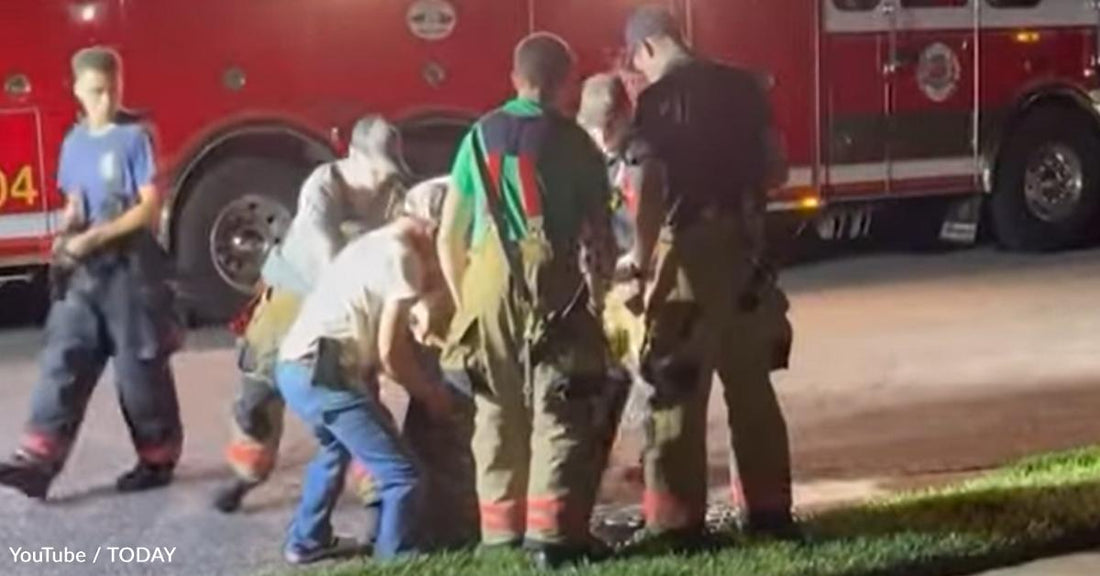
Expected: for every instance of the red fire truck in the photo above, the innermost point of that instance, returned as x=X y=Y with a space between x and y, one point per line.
x=878 y=100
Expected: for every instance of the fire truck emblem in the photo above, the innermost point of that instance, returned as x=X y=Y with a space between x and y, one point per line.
x=432 y=19
x=938 y=72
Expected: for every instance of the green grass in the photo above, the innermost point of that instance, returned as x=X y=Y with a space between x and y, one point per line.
x=1040 y=506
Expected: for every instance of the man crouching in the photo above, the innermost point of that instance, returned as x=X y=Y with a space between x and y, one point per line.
x=353 y=328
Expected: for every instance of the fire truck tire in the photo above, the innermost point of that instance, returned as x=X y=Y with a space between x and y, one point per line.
x=242 y=204
x=1047 y=189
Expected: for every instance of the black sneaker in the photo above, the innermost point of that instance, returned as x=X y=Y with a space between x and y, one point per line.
x=228 y=498
x=145 y=477
x=340 y=548
x=31 y=478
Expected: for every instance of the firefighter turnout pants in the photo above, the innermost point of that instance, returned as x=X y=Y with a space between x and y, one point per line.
x=534 y=444
x=704 y=317
x=113 y=309
x=258 y=411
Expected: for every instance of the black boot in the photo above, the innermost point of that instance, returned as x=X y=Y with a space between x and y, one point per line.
x=145 y=476
x=647 y=543
x=546 y=556
x=26 y=475
x=228 y=498
x=781 y=526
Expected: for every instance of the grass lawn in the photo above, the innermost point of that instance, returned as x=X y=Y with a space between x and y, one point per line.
x=1040 y=506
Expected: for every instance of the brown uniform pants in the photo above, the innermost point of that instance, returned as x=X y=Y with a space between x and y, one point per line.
x=534 y=443
x=702 y=319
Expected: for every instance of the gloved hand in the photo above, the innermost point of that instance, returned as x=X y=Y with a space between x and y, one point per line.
x=62 y=264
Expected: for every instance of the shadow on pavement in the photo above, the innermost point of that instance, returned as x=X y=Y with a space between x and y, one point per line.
x=24 y=304
x=185 y=477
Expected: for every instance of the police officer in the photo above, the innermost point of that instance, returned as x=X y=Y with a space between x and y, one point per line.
x=703 y=154
x=339 y=199
x=529 y=198
x=116 y=305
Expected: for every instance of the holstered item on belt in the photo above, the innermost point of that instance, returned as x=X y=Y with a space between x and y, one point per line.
x=327 y=369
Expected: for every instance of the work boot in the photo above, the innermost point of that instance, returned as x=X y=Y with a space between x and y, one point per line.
x=145 y=476
x=545 y=556
x=27 y=475
x=499 y=547
x=774 y=527
x=647 y=542
x=339 y=548
x=228 y=498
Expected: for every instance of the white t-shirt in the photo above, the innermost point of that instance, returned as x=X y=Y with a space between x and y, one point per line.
x=346 y=303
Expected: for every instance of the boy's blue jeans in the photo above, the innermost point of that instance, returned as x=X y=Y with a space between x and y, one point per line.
x=349 y=424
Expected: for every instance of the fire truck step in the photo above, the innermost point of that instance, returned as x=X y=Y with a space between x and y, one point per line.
x=21 y=278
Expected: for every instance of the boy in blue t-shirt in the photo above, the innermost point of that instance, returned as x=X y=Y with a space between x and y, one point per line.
x=116 y=304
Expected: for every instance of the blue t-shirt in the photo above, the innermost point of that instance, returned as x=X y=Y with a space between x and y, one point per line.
x=105 y=169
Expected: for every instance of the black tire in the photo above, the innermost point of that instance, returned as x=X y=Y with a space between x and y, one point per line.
x=206 y=295
x=1016 y=225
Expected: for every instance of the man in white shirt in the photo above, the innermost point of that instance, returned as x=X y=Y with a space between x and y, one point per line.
x=353 y=328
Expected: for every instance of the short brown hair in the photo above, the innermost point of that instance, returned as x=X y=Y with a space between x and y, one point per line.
x=544 y=60
x=97 y=58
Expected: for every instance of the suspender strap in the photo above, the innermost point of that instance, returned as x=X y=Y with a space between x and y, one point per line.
x=491 y=180
x=529 y=182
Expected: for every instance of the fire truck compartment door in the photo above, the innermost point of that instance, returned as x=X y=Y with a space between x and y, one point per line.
x=23 y=214
x=854 y=97
x=930 y=76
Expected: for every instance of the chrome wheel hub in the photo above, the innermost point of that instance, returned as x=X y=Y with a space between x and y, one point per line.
x=1054 y=181
x=243 y=233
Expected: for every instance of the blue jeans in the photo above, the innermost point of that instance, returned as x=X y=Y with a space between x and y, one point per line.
x=348 y=424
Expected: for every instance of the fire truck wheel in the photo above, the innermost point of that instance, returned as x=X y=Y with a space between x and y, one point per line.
x=236 y=212
x=1047 y=192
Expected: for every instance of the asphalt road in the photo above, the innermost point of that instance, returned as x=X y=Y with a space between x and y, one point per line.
x=908 y=369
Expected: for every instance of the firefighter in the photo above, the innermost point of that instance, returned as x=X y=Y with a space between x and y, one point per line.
x=527 y=251
x=352 y=329
x=360 y=192
x=116 y=303
x=703 y=153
